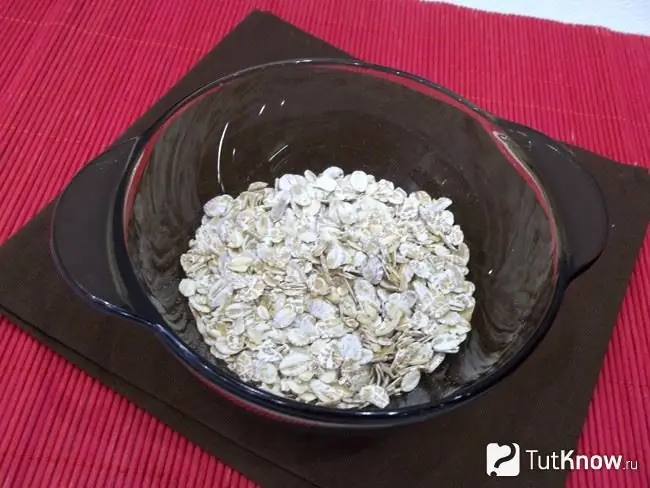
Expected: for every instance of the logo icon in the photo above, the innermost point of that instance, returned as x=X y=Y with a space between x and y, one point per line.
x=502 y=460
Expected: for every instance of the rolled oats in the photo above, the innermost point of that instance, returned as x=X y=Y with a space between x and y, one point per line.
x=332 y=289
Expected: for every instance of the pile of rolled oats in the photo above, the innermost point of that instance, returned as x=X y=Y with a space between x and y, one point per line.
x=331 y=289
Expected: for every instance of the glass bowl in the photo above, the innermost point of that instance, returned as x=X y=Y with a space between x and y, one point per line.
x=532 y=217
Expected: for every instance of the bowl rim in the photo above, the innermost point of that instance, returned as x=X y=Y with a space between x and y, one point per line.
x=145 y=312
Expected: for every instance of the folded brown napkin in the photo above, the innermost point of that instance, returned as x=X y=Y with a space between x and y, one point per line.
x=541 y=406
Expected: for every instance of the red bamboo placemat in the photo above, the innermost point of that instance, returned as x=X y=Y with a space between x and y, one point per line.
x=76 y=75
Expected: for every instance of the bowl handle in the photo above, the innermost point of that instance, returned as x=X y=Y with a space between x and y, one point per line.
x=574 y=192
x=82 y=231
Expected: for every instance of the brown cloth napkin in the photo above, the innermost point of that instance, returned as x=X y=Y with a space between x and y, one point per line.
x=541 y=406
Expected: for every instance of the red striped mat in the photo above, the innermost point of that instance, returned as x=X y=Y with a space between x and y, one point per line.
x=74 y=74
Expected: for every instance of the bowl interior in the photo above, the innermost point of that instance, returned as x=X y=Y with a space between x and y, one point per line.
x=290 y=118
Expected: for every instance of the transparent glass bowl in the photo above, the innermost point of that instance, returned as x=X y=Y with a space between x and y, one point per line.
x=533 y=218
